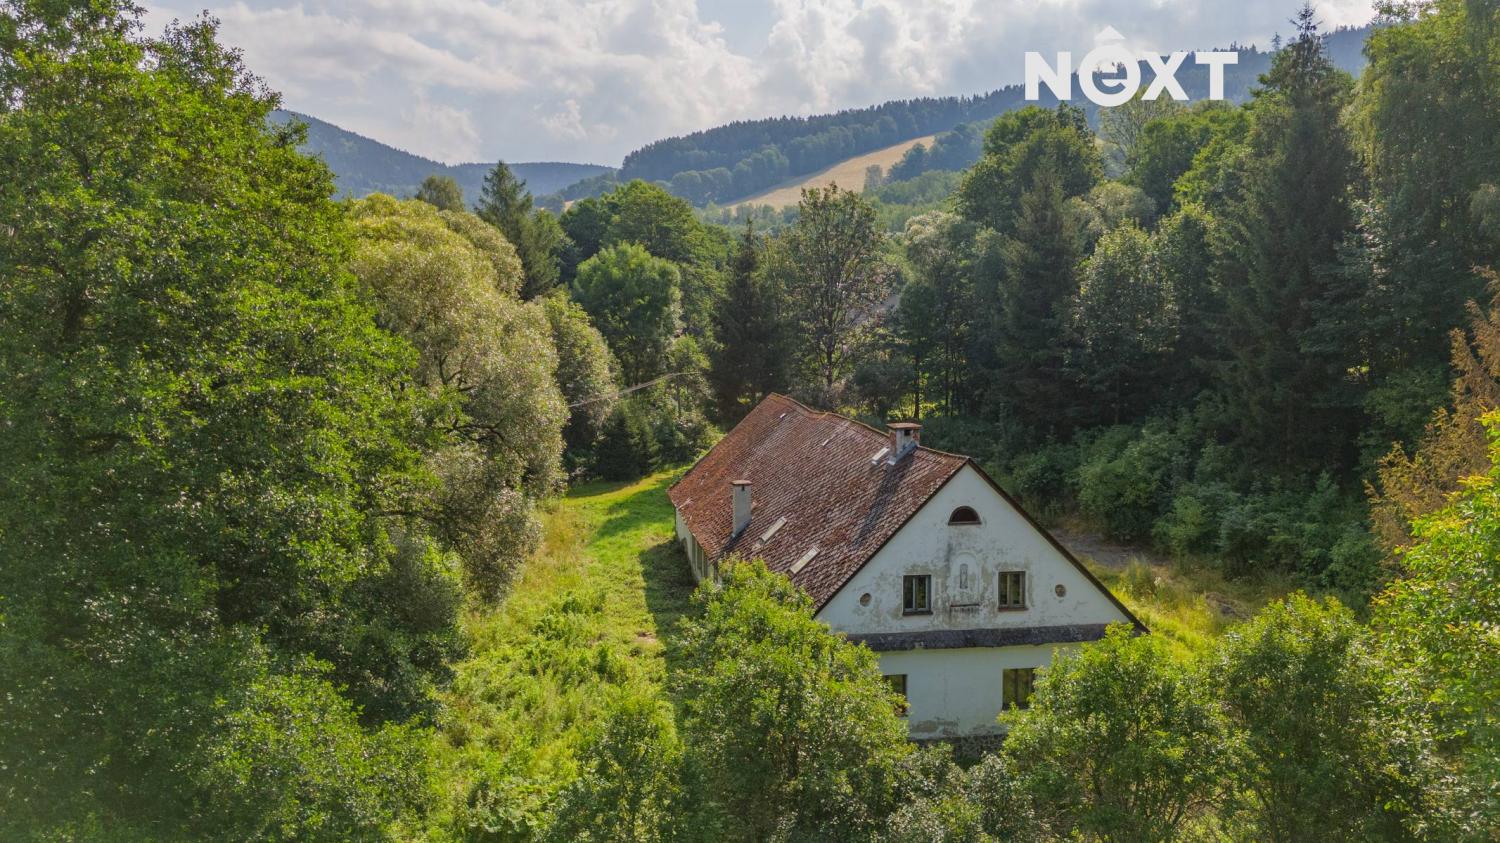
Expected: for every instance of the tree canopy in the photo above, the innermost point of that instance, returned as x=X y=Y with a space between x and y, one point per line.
x=635 y=300
x=208 y=569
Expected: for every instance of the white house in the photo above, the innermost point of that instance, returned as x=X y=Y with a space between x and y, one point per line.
x=915 y=552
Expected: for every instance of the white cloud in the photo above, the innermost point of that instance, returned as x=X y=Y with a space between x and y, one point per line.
x=589 y=80
x=451 y=131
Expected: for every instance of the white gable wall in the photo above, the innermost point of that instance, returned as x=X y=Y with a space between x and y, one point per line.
x=958 y=691
x=1003 y=541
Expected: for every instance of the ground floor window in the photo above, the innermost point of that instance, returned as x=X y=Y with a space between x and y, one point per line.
x=1017 y=687
x=897 y=681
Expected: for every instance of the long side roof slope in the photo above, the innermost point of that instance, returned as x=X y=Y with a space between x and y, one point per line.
x=825 y=496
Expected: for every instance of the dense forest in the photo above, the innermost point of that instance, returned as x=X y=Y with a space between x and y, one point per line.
x=276 y=461
x=722 y=164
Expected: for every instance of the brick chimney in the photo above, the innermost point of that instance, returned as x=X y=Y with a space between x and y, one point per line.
x=905 y=436
x=741 y=506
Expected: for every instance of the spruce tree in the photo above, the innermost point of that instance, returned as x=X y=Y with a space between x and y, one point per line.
x=750 y=360
x=1038 y=280
x=507 y=205
x=1277 y=249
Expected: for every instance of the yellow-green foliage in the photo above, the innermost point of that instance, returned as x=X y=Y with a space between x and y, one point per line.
x=582 y=626
x=1186 y=605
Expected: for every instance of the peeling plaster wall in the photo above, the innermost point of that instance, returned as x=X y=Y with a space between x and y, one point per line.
x=1003 y=541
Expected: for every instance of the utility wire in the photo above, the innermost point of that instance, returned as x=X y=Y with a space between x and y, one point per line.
x=628 y=390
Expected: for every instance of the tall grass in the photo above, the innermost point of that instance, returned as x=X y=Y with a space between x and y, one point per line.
x=582 y=625
x=1189 y=606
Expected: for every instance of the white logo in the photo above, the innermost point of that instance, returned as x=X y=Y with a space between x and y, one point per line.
x=1121 y=74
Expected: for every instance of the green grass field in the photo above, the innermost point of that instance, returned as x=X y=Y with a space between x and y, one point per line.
x=583 y=624
x=1188 y=606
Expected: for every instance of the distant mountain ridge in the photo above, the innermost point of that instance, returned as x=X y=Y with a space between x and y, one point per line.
x=725 y=164
x=362 y=166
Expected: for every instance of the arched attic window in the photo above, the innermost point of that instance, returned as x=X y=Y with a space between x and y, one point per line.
x=964 y=515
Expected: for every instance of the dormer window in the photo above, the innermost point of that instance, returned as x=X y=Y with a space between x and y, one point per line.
x=964 y=515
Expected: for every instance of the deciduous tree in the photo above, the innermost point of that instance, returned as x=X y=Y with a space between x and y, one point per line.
x=442 y=192
x=488 y=357
x=792 y=731
x=209 y=447
x=1021 y=146
x=1125 y=324
x=1438 y=620
x=1325 y=750
x=1121 y=743
x=634 y=300
x=835 y=277
x=586 y=370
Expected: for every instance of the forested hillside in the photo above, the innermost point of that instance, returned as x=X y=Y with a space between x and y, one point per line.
x=362 y=166
x=729 y=163
x=338 y=519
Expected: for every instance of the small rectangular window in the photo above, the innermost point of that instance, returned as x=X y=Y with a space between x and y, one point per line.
x=917 y=594
x=1012 y=589
x=1016 y=692
x=897 y=681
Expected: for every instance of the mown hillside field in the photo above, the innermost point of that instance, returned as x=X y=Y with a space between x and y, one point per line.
x=848 y=174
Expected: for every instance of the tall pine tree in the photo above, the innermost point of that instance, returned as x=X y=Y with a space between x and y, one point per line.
x=507 y=205
x=750 y=359
x=1277 y=248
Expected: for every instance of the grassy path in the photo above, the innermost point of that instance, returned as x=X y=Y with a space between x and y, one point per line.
x=583 y=625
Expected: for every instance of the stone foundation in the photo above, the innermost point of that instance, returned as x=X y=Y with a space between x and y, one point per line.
x=967 y=749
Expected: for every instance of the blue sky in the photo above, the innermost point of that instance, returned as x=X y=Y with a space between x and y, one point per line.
x=589 y=80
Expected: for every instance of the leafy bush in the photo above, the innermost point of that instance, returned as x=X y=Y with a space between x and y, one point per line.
x=1318 y=534
x=630 y=786
x=1191 y=523
x=1126 y=480
x=1043 y=477
x=1121 y=743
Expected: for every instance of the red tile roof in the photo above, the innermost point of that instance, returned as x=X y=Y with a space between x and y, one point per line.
x=819 y=472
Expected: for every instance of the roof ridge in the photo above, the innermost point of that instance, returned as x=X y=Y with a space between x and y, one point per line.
x=871 y=428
